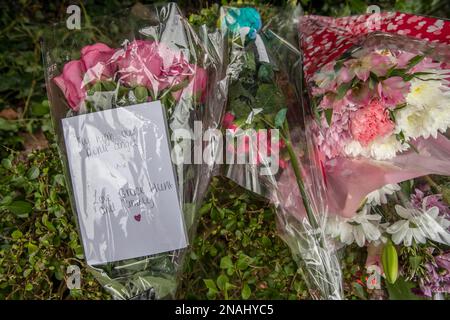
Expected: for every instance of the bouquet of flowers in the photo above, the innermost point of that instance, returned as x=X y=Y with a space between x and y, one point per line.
x=265 y=143
x=380 y=99
x=121 y=109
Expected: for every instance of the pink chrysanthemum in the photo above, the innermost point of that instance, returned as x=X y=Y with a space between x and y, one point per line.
x=370 y=122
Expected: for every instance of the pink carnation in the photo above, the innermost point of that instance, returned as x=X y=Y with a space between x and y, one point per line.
x=370 y=122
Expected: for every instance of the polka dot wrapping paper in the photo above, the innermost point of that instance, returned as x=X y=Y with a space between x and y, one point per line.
x=323 y=39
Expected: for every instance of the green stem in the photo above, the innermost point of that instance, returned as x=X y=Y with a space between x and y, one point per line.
x=298 y=176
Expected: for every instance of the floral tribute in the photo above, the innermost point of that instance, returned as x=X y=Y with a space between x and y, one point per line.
x=380 y=102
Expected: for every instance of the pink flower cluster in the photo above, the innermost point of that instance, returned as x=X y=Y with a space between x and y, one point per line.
x=141 y=63
x=361 y=91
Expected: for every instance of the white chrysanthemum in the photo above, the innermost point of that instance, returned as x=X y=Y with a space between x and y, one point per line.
x=386 y=148
x=363 y=226
x=419 y=225
x=425 y=93
x=354 y=149
x=378 y=197
x=427 y=111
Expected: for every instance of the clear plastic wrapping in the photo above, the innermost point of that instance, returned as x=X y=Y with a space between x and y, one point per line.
x=379 y=94
x=266 y=149
x=125 y=109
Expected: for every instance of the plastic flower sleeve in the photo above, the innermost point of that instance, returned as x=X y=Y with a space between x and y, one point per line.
x=379 y=90
x=124 y=109
x=266 y=147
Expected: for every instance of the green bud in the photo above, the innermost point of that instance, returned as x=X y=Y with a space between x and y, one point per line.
x=389 y=258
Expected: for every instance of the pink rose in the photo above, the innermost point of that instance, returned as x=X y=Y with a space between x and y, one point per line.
x=97 y=61
x=71 y=83
x=371 y=122
x=140 y=65
x=197 y=83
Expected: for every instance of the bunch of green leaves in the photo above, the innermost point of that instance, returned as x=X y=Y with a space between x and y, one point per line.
x=255 y=94
x=39 y=239
x=237 y=253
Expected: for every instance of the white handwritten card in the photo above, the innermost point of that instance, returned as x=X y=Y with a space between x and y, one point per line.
x=123 y=183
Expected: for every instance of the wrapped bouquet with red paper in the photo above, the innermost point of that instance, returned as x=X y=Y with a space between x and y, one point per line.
x=379 y=95
x=124 y=109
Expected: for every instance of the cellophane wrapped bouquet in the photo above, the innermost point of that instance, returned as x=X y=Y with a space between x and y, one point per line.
x=122 y=107
x=380 y=98
x=266 y=150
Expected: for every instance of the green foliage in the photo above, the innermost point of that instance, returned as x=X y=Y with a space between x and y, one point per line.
x=37 y=228
x=237 y=253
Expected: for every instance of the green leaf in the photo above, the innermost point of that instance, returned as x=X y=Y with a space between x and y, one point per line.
x=265 y=73
x=222 y=281
x=401 y=290
x=32 y=248
x=415 y=60
x=342 y=90
x=40 y=109
x=269 y=98
x=33 y=173
x=141 y=94
x=359 y=291
x=243 y=262
x=328 y=116
x=16 y=234
x=240 y=108
x=20 y=208
x=6 y=125
x=6 y=163
x=280 y=117
x=210 y=284
x=246 y=292
x=29 y=287
x=226 y=262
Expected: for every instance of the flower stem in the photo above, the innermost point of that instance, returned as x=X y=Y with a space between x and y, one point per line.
x=298 y=177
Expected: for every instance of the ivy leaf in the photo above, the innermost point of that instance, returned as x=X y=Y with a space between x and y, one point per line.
x=280 y=117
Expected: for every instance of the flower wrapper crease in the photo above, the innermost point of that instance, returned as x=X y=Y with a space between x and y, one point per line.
x=266 y=147
x=378 y=88
x=142 y=55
